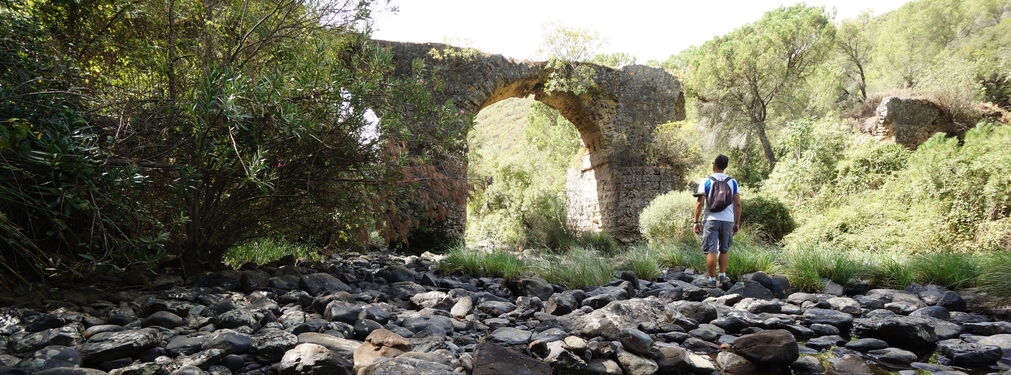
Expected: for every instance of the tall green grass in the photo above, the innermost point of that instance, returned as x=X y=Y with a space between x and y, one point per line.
x=480 y=263
x=576 y=268
x=644 y=261
x=996 y=276
x=266 y=250
x=951 y=270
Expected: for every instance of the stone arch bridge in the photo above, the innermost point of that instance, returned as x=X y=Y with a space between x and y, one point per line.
x=615 y=119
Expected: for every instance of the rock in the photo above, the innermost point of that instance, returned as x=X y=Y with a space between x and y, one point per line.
x=493 y=359
x=598 y=301
x=62 y=336
x=832 y=317
x=229 y=341
x=945 y=330
x=163 y=319
x=419 y=322
x=866 y=344
x=434 y=299
x=462 y=307
x=893 y=356
x=833 y=289
x=495 y=308
x=185 y=345
x=550 y=334
x=635 y=341
x=380 y=344
x=849 y=364
x=824 y=329
x=731 y=324
x=636 y=365
x=698 y=312
x=235 y=318
x=342 y=312
x=970 y=355
x=807 y=365
x=564 y=303
x=405 y=364
x=510 y=336
x=987 y=328
x=759 y=306
x=344 y=347
x=322 y=283
x=397 y=273
x=1002 y=341
x=845 y=304
x=773 y=347
x=825 y=342
x=898 y=331
x=531 y=286
x=269 y=345
x=908 y=121
x=935 y=312
x=599 y=366
x=951 y=301
x=70 y=371
x=608 y=321
x=52 y=357
x=751 y=289
x=107 y=346
x=734 y=364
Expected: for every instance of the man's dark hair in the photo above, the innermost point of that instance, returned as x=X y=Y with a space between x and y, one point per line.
x=721 y=162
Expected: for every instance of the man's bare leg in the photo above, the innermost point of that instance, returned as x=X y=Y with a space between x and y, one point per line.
x=724 y=257
x=713 y=260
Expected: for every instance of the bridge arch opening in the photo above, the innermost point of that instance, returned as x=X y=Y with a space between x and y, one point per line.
x=532 y=172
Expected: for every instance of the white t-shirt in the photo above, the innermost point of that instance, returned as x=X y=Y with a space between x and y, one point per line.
x=728 y=213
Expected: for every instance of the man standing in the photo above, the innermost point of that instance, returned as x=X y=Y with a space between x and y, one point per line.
x=718 y=197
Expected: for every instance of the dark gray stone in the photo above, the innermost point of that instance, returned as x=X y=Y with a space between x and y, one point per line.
x=773 y=347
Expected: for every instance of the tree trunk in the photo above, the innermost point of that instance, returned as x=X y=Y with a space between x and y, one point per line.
x=766 y=145
x=863 y=83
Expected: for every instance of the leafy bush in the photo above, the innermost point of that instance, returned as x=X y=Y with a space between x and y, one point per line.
x=668 y=218
x=943 y=197
x=768 y=215
x=67 y=205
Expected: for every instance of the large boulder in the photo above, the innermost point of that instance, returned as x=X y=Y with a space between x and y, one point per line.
x=493 y=359
x=407 y=365
x=107 y=346
x=312 y=359
x=899 y=331
x=611 y=319
x=772 y=347
x=531 y=286
x=380 y=344
x=908 y=121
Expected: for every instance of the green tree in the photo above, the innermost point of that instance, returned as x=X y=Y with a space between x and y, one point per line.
x=564 y=48
x=854 y=47
x=736 y=78
x=615 y=59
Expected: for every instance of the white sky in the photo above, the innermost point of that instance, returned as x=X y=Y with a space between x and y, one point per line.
x=647 y=29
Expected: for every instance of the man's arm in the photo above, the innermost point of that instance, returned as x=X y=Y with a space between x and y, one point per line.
x=737 y=212
x=698 y=211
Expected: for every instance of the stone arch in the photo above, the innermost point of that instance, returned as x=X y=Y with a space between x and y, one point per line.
x=615 y=119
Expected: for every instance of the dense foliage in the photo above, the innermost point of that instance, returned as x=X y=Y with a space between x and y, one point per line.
x=135 y=131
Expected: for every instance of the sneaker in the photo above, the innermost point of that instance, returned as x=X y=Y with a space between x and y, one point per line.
x=723 y=279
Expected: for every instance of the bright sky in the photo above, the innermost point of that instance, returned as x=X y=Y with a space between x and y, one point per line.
x=647 y=29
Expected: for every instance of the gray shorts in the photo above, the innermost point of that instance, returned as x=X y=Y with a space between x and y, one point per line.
x=717 y=236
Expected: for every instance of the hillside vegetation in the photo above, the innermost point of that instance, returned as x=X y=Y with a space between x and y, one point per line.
x=822 y=200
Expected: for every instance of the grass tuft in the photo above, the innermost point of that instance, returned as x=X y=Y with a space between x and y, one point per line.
x=266 y=250
x=481 y=263
x=644 y=261
x=950 y=270
x=577 y=268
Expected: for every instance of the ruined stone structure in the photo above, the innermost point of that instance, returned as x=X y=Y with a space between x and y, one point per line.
x=909 y=121
x=615 y=119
